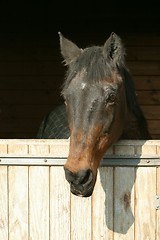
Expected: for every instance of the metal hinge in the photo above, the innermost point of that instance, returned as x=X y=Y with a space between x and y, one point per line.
x=157 y=202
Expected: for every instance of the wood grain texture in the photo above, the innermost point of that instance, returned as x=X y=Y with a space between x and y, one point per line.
x=39 y=203
x=158 y=211
x=36 y=203
x=18 y=203
x=145 y=191
x=80 y=218
x=3 y=203
x=60 y=212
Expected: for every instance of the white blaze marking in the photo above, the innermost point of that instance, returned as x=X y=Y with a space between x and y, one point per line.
x=83 y=85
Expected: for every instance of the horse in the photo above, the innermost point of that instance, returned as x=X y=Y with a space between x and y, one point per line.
x=101 y=107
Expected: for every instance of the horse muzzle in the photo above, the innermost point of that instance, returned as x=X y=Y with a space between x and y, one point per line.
x=81 y=183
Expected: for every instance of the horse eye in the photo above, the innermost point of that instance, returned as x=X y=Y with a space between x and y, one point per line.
x=111 y=98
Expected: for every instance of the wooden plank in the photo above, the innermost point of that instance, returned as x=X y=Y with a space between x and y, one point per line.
x=39 y=203
x=154 y=126
x=3 y=148
x=40 y=41
x=80 y=218
x=158 y=211
x=146 y=82
x=18 y=203
x=18 y=149
x=3 y=203
x=156 y=136
x=144 y=68
x=59 y=205
x=39 y=149
x=124 y=203
x=102 y=205
x=145 y=191
x=148 y=97
x=142 y=39
x=151 y=112
x=45 y=53
x=143 y=53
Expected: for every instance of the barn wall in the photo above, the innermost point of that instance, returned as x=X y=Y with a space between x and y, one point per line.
x=36 y=203
x=31 y=72
x=31 y=76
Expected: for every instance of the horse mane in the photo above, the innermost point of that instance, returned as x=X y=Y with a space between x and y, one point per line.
x=134 y=106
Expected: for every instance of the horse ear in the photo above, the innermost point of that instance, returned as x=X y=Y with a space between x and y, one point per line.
x=69 y=50
x=113 y=49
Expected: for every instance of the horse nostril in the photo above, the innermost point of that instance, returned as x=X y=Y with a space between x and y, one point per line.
x=84 y=176
x=80 y=178
x=69 y=175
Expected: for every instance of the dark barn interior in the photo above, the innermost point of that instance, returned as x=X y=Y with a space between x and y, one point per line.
x=31 y=69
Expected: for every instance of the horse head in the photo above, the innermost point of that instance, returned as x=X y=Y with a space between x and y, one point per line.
x=95 y=95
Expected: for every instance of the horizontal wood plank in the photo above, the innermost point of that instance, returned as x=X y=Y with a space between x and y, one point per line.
x=151 y=112
x=148 y=97
x=146 y=82
x=52 y=53
x=52 y=82
x=144 y=68
x=54 y=67
x=41 y=41
x=143 y=53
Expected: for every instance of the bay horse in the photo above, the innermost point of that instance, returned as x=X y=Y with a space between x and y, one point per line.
x=101 y=107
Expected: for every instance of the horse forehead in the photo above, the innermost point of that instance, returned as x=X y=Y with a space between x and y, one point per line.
x=91 y=89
